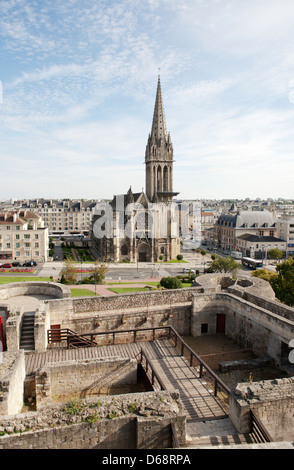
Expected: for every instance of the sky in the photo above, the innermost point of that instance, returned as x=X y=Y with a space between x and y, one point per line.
x=78 y=83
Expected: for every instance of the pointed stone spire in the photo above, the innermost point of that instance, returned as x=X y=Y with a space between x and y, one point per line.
x=159 y=156
x=158 y=130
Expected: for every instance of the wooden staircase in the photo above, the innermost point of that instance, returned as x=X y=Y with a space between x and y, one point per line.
x=27 y=340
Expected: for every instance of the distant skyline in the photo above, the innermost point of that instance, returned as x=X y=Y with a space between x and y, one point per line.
x=78 y=83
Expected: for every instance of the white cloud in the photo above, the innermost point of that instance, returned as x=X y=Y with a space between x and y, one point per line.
x=79 y=87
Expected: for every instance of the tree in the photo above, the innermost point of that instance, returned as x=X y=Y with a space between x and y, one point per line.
x=171 y=283
x=275 y=253
x=264 y=274
x=69 y=273
x=226 y=265
x=283 y=283
x=100 y=270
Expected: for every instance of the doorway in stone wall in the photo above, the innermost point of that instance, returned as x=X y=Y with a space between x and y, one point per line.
x=220 y=322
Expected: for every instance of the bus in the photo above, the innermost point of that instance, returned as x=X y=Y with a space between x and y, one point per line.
x=252 y=263
x=236 y=254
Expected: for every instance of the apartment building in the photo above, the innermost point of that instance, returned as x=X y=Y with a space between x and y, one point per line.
x=257 y=246
x=65 y=216
x=229 y=227
x=285 y=227
x=23 y=237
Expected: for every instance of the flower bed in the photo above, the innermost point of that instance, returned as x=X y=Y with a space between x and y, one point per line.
x=17 y=270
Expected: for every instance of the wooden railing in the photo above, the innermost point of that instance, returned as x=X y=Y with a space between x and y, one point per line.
x=196 y=362
x=153 y=378
x=74 y=340
x=258 y=431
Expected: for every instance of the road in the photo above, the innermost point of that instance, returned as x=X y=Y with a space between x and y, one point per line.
x=132 y=271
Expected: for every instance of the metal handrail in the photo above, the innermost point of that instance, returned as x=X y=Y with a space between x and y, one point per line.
x=170 y=332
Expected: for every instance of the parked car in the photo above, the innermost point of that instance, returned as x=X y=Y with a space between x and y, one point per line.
x=29 y=264
x=15 y=263
x=188 y=270
x=7 y=265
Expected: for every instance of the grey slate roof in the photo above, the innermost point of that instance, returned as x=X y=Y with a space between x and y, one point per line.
x=256 y=238
x=247 y=219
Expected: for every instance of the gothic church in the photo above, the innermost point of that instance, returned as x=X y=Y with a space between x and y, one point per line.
x=144 y=226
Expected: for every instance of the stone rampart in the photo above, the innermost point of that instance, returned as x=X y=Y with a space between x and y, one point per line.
x=12 y=369
x=271 y=400
x=130 y=421
x=250 y=325
x=83 y=377
x=124 y=311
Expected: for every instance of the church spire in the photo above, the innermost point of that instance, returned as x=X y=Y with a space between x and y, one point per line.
x=158 y=130
x=159 y=156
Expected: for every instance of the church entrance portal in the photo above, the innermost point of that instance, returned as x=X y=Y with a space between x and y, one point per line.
x=144 y=253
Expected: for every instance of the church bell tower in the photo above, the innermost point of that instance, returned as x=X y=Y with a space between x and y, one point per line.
x=159 y=156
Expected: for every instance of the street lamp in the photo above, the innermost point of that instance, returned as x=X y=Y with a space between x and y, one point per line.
x=81 y=271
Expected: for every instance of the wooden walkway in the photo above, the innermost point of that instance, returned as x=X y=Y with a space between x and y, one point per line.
x=196 y=394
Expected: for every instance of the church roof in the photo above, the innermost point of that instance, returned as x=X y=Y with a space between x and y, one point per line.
x=121 y=201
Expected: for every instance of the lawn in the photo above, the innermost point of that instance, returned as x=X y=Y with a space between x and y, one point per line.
x=81 y=292
x=124 y=290
x=6 y=280
x=172 y=261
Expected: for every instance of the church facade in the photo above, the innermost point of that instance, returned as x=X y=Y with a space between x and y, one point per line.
x=143 y=227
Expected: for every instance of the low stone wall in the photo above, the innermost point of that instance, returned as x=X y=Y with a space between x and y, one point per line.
x=12 y=375
x=85 y=377
x=271 y=400
x=131 y=421
x=133 y=300
x=58 y=291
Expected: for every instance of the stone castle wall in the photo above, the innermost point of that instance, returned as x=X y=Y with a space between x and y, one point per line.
x=85 y=377
x=273 y=403
x=141 y=420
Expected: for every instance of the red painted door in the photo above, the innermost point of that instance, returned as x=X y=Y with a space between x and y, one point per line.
x=55 y=333
x=220 y=323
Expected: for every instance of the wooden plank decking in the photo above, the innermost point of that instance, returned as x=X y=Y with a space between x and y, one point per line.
x=196 y=394
x=38 y=360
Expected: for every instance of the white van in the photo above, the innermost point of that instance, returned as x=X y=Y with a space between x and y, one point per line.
x=236 y=254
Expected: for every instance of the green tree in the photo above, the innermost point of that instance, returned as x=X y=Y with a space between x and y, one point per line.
x=171 y=283
x=100 y=270
x=224 y=265
x=264 y=274
x=283 y=283
x=69 y=273
x=275 y=253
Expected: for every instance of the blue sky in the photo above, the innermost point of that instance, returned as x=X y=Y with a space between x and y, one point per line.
x=78 y=89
